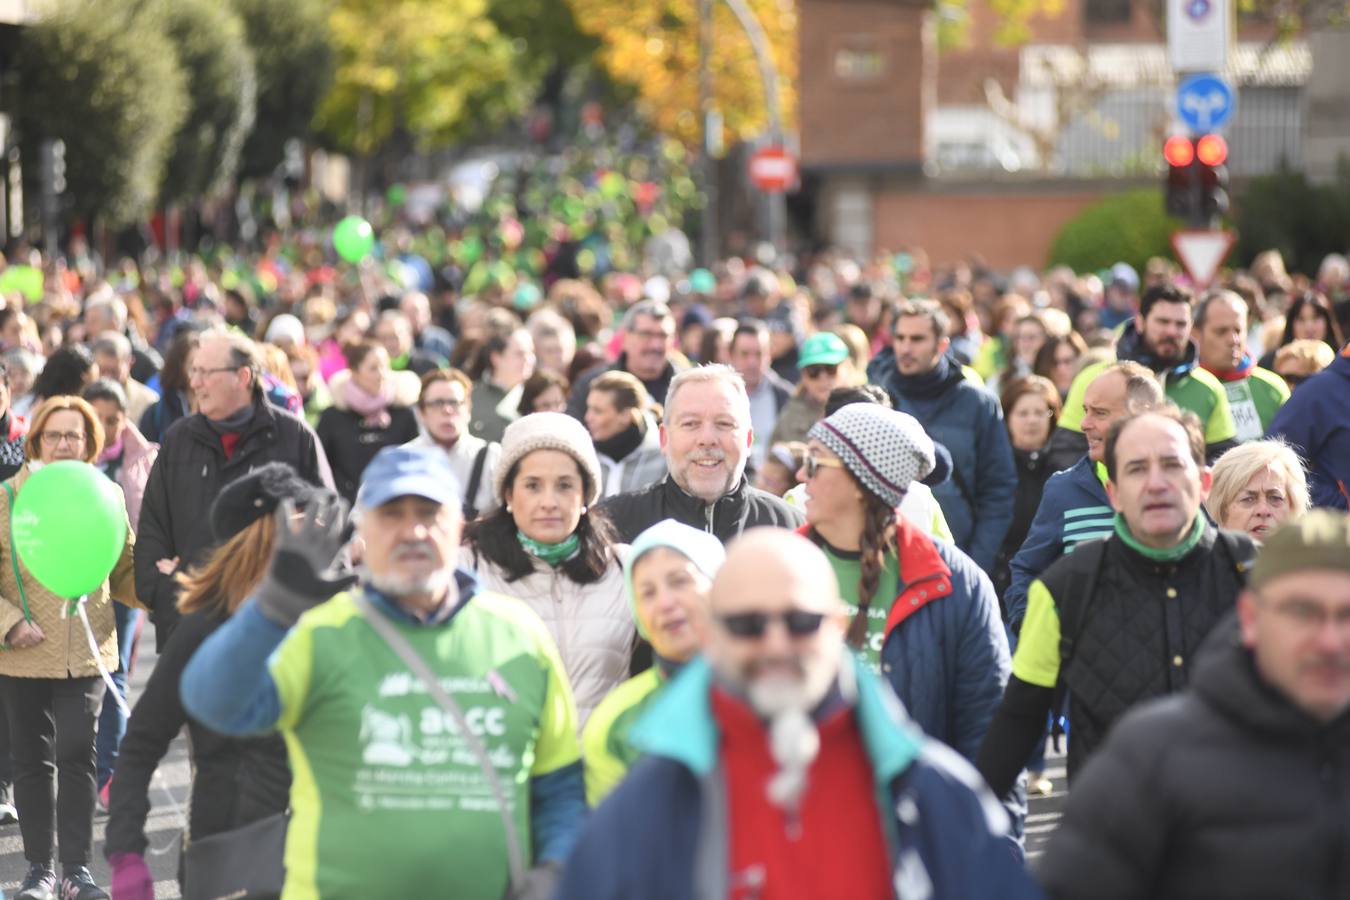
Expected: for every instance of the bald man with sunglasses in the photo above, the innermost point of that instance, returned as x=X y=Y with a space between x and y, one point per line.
x=778 y=766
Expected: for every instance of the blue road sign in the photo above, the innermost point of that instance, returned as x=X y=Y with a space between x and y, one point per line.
x=1205 y=102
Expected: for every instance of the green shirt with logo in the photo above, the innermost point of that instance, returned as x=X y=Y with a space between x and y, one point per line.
x=382 y=778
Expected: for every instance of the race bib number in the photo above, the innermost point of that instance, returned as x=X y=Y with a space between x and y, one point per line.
x=1245 y=416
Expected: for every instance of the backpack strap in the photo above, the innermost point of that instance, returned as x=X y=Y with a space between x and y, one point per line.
x=475 y=479
x=14 y=556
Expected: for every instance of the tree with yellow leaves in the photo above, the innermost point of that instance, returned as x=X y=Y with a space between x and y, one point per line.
x=652 y=45
x=431 y=69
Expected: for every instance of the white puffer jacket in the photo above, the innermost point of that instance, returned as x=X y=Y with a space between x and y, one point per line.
x=591 y=623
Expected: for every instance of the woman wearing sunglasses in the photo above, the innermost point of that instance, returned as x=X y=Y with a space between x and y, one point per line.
x=923 y=614
x=821 y=356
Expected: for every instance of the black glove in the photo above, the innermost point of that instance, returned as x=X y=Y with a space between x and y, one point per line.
x=304 y=569
x=539 y=883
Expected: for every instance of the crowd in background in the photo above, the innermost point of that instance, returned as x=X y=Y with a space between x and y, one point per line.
x=942 y=433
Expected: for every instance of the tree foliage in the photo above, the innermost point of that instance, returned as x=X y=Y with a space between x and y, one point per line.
x=433 y=69
x=294 y=60
x=222 y=87
x=1129 y=227
x=113 y=92
x=653 y=45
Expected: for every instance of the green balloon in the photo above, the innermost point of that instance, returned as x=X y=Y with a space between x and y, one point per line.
x=353 y=238
x=69 y=526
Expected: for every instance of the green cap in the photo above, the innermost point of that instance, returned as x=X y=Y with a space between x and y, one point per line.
x=1317 y=540
x=823 y=348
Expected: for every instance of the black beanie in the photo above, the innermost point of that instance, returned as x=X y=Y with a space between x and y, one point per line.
x=250 y=497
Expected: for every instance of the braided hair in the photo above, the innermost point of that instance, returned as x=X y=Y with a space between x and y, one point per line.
x=878 y=538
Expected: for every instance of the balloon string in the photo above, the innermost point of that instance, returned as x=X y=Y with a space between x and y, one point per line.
x=175 y=808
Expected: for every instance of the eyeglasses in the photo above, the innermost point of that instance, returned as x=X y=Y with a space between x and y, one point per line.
x=814 y=372
x=195 y=373
x=447 y=403
x=56 y=438
x=814 y=464
x=799 y=623
x=1308 y=616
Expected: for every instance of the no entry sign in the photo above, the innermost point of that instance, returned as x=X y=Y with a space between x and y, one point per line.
x=773 y=169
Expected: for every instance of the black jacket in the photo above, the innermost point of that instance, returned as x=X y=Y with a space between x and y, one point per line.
x=657 y=387
x=189 y=473
x=236 y=780
x=1225 y=791
x=1033 y=470
x=745 y=507
x=350 y=445
x=1129 y=630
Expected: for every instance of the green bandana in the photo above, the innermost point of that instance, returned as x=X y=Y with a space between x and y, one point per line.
x=553 y=554
x=1170 y=554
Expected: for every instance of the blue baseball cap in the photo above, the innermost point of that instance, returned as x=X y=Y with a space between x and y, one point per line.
x=408 y=471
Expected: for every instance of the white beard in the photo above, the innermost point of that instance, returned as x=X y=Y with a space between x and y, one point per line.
x=794 y=740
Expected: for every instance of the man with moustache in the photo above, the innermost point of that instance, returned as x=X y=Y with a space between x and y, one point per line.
x=778 y=767
x=390 y=796
x=648 y=354
x=706 y=438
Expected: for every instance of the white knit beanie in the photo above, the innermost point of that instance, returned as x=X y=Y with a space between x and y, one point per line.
x=885 y=449
x=548 y=431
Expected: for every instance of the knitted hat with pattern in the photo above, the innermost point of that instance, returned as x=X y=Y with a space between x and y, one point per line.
x=548 y=431
x=885 y=450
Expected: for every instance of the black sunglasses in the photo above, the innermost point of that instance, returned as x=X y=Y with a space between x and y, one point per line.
x=753 y=624
x=818 y=370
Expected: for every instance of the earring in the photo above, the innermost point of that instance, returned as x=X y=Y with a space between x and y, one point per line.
x=585 y=509
x=508 y=507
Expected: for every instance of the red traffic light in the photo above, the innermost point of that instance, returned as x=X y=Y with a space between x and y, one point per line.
x=1212 y=150
x=1178 y=151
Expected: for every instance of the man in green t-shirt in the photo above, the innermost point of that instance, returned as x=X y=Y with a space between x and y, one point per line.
x=391 y=795
x=1254 y=394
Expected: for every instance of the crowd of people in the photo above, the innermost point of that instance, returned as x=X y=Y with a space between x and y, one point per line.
x=756 y=581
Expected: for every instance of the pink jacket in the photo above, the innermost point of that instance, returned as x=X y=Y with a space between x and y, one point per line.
x=138 y=458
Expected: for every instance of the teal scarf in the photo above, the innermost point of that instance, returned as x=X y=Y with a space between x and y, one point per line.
x=1170 y=554
x=553 y=554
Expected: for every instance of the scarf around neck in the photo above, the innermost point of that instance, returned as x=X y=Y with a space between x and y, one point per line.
x=1168 y=554
x=373 y=408
x=623 y=443
x=930 y=383
x=553 y=554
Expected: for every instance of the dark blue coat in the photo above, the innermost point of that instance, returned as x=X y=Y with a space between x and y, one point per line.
x=659 y=835
x=1074 y=508
x=978 y=499
x=1316 y=420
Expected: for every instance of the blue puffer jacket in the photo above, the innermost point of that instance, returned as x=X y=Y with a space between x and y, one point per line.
x=662 y=834
x=1316 y=420
x=945 y=653
x=978 y=499
x=1074 y=508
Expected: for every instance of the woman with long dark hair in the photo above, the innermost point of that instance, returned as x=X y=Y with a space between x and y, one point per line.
x=548 y=545
x=236 y=780
x=175 y=391
x=1310 y=317
x=923 y=615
